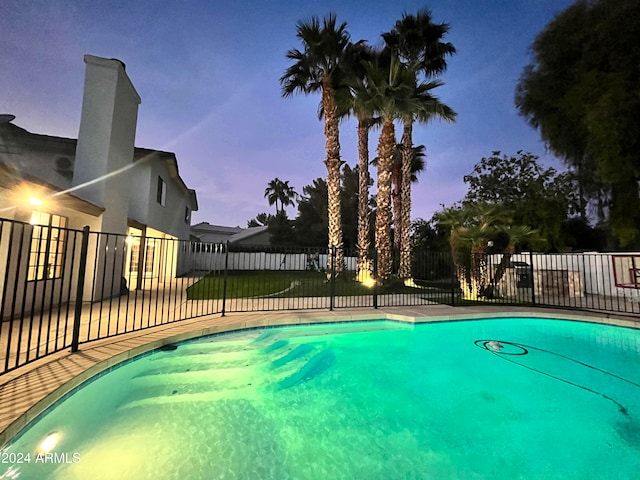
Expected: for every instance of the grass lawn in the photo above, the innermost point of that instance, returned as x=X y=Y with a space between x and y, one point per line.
x=281 y=284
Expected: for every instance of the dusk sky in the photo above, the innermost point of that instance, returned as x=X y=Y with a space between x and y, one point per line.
x=208 y=74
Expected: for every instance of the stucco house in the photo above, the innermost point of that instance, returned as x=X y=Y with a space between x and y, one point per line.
x=101 y=180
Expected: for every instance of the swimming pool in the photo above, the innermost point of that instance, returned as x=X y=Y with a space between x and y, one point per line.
x=497 y=398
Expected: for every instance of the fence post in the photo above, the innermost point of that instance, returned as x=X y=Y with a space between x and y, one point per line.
x=375 y=278
x=333 y=278
x=224 y=282
x=84 y=247
x=533 y=285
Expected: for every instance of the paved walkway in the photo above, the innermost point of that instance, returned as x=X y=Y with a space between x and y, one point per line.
x=29 y=390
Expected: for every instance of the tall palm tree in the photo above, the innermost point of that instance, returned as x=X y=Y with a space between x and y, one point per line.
x=425 y=108
x=363 y=110
x=417 y=166
x=277 y=190
x=317 y=68
x=387 y=88
x=288 y=196
x=417 y=42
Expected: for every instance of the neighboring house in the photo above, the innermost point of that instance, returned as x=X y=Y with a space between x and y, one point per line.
x=207 y=233
x=100 y=180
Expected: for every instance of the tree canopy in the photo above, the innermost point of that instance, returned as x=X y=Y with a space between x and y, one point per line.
x=538 y=197
x=582 y=92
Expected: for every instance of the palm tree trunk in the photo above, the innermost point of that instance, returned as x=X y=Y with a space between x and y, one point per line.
x=461 y=271
x=333 y=163
x=478 y=269
x=404 y=271
x=500 y=270
x=386 y=146
x=396 y=179
x=363 y=197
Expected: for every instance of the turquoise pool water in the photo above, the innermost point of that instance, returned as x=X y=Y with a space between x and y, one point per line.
x=378 y=400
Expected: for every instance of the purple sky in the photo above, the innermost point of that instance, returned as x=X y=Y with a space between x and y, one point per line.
x=208 y=74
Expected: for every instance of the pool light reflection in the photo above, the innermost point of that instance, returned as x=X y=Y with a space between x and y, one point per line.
x=48 y=443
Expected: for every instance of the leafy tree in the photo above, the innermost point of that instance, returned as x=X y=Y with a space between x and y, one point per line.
x=582 y=92
x=311 y=224
x=537 y=197
x=317 y=68
x=349 y=202
x=429 y=235
x=281 y=229
x=579 y=235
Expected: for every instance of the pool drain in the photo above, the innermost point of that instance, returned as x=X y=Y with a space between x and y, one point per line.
x=502 y=347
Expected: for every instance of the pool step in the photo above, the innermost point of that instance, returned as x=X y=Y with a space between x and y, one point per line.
x=294 y=354
x=203 y=358
x=317 y=365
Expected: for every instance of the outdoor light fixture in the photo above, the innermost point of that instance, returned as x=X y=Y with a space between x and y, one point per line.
x=27 y=196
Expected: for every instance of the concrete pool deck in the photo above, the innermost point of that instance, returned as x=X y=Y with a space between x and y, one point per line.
x=28 y=391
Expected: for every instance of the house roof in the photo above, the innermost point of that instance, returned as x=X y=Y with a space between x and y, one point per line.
x=12 y=137
x=247 y=233
x=221 y=233
x=8 y=180
x=206 y=227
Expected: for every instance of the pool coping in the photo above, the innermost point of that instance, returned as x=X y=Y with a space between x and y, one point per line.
x=30 y=390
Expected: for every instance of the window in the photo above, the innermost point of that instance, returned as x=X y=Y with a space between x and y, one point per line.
x=187 y=215
x=48 y=242
x=161 y=195
x=147 y=260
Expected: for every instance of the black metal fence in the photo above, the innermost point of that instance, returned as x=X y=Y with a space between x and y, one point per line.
x=63 y=287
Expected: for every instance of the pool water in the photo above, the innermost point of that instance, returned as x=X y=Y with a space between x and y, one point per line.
x=499 y=398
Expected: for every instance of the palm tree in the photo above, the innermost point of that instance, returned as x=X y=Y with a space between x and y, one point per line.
x=417 y=166
x=517 y=234
x=472 y=226
x=363 y=110
x=317 y=68
x=416 y=40
x=289 y=195
x=387 y=89
x=456 y=218
x=277 y=190
x=425 y=108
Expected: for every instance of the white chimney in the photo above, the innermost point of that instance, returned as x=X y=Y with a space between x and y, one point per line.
x=106 y=140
